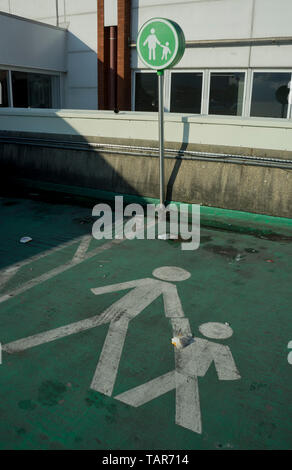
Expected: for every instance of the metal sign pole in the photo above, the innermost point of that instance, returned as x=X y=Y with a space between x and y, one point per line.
x=160 y=46
x=289 y=100
x=160 y=74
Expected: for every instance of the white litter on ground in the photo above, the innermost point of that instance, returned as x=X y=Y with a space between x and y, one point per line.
x=25 y=239
x=182 y=341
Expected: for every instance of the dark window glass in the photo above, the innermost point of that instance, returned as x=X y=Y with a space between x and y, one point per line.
x=146 y=92
x=3 y=89
x=186 y=92
x=226 y=93
x=269 y=94
x=31 y=90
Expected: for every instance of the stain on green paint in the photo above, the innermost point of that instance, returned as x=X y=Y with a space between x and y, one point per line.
x=257 y=386
x=227 y=251
x=20 y=431
x=26 y=405
x=51 y=393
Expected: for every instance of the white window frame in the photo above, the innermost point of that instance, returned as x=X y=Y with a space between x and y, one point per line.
x=9 y=85
x=55 y=83
x=206 y=88
x=134 y=72
x=207 y=101
x=202 y=71
x=263 y=70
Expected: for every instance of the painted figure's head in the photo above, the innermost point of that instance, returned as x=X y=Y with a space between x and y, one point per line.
x=171 y=273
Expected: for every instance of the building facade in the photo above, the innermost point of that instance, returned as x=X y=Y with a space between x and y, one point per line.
x=237 y=60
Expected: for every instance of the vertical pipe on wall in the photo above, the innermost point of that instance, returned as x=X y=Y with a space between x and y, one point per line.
x=112 y=67
x=10 y=91
x=57 y=12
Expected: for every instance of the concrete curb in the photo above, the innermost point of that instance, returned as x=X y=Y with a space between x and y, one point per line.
x=224 y=219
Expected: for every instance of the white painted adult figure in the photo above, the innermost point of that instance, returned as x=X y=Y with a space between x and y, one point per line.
x=152 y=41
x=143 y=292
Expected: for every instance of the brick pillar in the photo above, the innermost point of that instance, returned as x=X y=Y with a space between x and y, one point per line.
x=123 y=82
x=124 y=56
x=112 y=88
x=101 y=57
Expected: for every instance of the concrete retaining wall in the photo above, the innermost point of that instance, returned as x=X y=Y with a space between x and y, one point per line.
x=265 y=136
x=258 y=189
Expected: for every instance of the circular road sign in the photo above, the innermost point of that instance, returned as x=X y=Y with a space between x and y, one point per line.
x=160 y=43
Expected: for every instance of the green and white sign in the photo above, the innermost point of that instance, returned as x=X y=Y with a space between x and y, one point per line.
x=160 y=43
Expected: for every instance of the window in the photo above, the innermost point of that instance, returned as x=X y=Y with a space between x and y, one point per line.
x=269 y=94
x=226 y=93
x=146 y=92
x=31 y=90
x=3 y=88
x=186 y=92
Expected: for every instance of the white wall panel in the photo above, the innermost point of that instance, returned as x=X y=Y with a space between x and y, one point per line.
x=272 y=18
x=83 y=29
x=217 y=130
x=82 y=98
x=111 y=13
x=217 y=19
x=28 y=44
x=271 y=56
x=4 y=6
x=82 y=69
x=34 y=8
x=213 y=57
x=74 y=7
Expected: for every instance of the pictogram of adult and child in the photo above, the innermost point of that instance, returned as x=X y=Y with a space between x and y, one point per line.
x=152 y=41
x=191 y=362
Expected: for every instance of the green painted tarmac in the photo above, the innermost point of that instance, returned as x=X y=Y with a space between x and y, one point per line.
x=45 y=397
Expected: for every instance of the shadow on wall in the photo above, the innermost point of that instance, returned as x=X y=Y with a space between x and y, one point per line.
x=39 y=148
x=90 y=82
x=34 y=149
x=177 y=165
x=58 y=164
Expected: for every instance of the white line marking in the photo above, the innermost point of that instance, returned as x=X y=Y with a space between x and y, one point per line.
x=9 y=272
x=289 y=346
x=54 y=272
x=79 y=256
x=82 y=248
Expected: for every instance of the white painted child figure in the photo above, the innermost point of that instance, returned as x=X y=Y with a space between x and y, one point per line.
x=166 y=51
x=191 y=362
